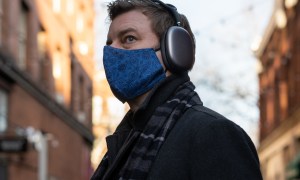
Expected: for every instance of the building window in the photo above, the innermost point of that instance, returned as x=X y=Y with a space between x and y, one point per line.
x=1 y=14
x=70 y=7
x=81 y=94
x=83 y=48
x=57 y=66
x=42 y=43
x=286 y=154
x=3 y=169
x=43 y=60
x=23 y=27
x=56 y=6
x=59 y=77
x=80 y=23
x=3 y=110
x=81 y=113
x=89 y=104
x=297 y=144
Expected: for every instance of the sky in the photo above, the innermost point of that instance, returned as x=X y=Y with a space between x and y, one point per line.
x=224 y=73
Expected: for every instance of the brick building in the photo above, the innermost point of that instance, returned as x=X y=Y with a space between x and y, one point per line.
x=279 y=79
x=46 y=88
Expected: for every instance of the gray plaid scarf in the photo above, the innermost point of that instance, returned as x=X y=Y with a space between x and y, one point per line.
x=148 y=142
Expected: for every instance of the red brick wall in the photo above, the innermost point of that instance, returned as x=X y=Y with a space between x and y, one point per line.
x=65 y=159
x=280 y=79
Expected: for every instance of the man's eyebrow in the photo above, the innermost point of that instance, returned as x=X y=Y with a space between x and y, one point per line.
x=127 y=30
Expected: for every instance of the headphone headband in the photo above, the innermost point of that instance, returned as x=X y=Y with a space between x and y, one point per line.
x=172 y=10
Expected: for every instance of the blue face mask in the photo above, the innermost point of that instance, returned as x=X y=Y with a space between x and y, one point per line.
x=131 y=73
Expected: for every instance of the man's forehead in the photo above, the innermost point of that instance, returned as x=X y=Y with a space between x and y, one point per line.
x=129 y=21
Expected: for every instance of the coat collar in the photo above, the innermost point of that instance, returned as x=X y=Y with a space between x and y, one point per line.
x=157 y=97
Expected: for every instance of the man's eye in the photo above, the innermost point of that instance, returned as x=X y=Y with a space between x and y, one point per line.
x=129 y=39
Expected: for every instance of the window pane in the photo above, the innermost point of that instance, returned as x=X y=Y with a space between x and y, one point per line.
x=22 y=37
x=3 y=111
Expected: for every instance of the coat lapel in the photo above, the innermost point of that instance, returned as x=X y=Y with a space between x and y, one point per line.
x=117 y=158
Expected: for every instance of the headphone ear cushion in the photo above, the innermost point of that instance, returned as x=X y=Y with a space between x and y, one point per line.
x=177 y=50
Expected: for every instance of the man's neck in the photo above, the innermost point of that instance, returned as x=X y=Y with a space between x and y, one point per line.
x=138 y=101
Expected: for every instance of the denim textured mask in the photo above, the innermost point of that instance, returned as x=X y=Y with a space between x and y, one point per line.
x=131 y=73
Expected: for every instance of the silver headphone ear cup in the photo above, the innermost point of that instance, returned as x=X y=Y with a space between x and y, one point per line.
x=177 y=50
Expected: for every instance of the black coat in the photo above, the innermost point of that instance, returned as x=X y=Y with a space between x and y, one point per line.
x=205 y=145
x=202 y=145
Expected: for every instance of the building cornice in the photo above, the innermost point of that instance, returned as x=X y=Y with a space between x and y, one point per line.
x=269 y=29
x=7 y=67
x=266 y=37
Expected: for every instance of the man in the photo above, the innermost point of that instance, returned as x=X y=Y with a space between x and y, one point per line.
x=167 y=134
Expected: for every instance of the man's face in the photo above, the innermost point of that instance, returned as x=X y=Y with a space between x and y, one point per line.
x=132 y=30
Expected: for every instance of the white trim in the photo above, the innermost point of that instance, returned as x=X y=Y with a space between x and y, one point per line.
x=269 y=30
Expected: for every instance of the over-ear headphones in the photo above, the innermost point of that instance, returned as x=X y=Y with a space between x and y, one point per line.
x=176 y=44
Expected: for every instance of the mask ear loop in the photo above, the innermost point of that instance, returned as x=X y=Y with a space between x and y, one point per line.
x=158 y=49
x=166 y=70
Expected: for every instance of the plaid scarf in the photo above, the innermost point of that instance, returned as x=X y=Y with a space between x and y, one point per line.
x=148 y=142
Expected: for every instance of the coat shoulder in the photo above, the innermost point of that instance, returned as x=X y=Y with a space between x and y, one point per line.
x=200 y=115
